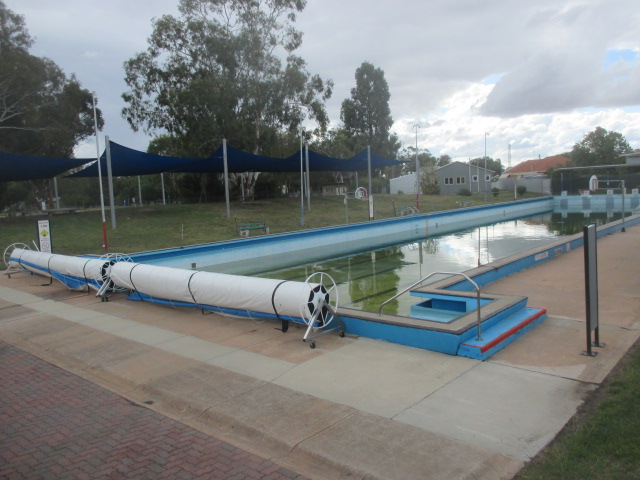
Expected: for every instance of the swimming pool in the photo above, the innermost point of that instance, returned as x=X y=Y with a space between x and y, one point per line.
x=370 y=260
x=367 y=279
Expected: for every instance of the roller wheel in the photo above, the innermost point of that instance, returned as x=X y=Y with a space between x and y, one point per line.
x=321 y=287
x=9 y=250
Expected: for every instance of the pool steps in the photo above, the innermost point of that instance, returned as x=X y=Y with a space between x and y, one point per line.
x=502 y=334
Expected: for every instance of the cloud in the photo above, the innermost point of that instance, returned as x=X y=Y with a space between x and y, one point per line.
x=538 y=75
x=557 y=83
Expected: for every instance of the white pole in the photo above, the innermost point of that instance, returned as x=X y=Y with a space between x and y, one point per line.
x=164 y=201
x=370 y=188
x=417 y=171
x=55 y=190
x=226 y=176
x=105 y=243
x=112 y=203
x=301 y=184
x=308 y=182
x=486 y=186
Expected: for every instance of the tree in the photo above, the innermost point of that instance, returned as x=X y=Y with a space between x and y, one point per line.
x=599 y=147
x=42 y=111
x=444 y=160
x=494 y=165
x=367 y=116
x=216 y=72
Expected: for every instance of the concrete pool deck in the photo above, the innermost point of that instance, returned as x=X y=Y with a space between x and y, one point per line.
x=352 y=407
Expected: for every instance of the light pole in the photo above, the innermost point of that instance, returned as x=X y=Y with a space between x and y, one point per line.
x=486 y=186
x=416 y=126
x=104 y=221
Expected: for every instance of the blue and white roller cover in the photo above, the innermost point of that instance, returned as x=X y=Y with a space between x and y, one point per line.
x=75 y=272
x=229 y=294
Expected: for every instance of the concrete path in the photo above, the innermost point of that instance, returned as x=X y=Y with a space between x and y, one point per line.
x=353 y=407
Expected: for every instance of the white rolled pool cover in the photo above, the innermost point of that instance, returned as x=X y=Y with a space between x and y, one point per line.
x=75 y=272
x=229 y=294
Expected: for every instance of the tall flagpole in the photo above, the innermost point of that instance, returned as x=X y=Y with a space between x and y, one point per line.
x=105 y=242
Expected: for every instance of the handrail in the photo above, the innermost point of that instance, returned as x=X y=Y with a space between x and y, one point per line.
x=475 y=285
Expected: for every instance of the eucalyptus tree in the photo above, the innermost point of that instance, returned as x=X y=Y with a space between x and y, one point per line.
x=42 y=111
x=224 y=69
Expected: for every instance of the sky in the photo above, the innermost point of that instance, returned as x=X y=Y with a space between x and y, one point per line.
x=465 y=76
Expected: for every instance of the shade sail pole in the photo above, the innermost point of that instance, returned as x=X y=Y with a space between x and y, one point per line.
x=226 y=176
x=112 y=203
x=301 y=184
x=105 y=242
x=164 y=201
x=308 y=182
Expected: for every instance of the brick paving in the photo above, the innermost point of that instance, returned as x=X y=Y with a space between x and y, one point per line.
x=54 y=424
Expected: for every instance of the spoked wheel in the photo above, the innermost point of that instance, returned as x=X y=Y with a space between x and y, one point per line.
x=322 y=304
x=109 y=260
x=9 y=250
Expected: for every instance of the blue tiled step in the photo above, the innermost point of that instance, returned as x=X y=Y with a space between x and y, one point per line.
x=502 y=334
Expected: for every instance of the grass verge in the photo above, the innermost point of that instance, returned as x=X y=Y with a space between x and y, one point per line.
x=602 y=441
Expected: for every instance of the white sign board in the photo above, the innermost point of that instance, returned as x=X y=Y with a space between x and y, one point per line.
x=44 y=236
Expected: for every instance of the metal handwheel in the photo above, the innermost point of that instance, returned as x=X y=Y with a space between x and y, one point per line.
x=9 y=250
x=109 y=260
x=322 y=303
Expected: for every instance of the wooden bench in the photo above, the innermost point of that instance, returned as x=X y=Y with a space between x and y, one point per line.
x=60 y=211
x=404 y=211
x=244 y=229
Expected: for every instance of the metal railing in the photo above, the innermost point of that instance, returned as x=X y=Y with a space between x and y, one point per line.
x=475 y=287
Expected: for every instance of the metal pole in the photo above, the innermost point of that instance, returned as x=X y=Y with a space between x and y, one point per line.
x=226 y=176
x=164 y=201
x=308 y=182
x=55 y=190
x=479 y=235
x=105 y=242
x=417 y=171
x=139 y=191
x=486 y=186
x=623 y=191
x=301 y=184
x=112 y=203
x=369 y=170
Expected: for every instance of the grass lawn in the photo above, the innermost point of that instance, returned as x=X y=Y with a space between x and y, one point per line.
x=159 y=226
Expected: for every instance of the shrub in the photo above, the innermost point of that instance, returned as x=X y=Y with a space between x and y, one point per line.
x=464 y=192
x=495 y=191
x=431 y=189
x=521 y=190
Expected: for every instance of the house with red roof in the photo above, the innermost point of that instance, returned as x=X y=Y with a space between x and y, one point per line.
x=532 y=168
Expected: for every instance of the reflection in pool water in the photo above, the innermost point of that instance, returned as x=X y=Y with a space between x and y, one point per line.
x=367 y=279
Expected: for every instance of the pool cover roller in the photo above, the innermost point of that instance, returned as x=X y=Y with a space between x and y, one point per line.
x=75 y=272
x=228 y=294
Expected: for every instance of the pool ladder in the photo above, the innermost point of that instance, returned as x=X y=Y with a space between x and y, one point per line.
x=475 y=287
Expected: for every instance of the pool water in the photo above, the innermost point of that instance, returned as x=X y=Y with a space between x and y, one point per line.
x=367 y=279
